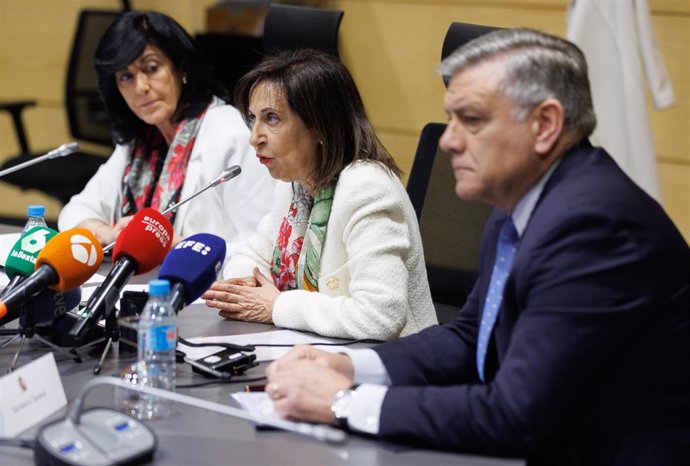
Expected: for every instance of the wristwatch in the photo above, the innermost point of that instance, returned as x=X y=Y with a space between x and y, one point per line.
x=342 y=404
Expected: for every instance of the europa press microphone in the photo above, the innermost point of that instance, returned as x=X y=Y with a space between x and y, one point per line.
x=66 y=261
x=139 y=248
x=191 y=267
x=227 y=174
x=63 y=150
x=21 y=261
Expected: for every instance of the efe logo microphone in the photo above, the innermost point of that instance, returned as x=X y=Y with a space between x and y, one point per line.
x=196 y=246
x=83 y=250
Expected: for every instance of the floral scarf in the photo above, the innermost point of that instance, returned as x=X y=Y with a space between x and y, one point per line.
x=306 y=221
x=155 y=173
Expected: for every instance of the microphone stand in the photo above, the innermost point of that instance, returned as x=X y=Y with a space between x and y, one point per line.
x=226 y=175
x=111 y=334
x=61 y=151
x=27 y=331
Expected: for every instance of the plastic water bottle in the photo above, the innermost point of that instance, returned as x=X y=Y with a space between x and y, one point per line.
x=37 y=217
x=157 y=339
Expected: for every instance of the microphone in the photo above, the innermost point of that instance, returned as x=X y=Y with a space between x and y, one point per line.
x=66 y=261
x=226 y=175
x=49 y=304
x=80 y=438
x=192 y=267
x=63 y=150
x=139 y=248
x=21 y=261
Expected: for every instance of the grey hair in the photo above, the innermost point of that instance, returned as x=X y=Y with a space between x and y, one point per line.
x=536 y=67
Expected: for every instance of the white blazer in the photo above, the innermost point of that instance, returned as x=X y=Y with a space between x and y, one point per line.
x=373 y=281
x=231 y=211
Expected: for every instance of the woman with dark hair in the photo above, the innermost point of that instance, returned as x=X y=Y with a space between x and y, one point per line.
x=174 y=134
x=340 y=253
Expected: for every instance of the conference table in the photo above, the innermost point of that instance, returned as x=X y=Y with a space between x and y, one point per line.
x=195 y=436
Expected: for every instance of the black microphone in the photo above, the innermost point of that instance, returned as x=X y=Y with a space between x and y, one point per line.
x=67 y=261
x=192 y=267
x=50 y=304
x=63 y=150
x=226 y=175
x=139 y=248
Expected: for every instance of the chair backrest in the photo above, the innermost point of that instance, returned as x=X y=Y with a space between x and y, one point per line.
x=450 y=227
x=88 y=120
x=295 y=27
x=459 y=34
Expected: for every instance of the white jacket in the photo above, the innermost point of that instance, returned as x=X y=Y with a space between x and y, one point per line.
x=617 y=37
x=373 y=281
x=231 y=210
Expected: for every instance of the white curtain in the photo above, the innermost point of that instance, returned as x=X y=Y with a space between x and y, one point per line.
x=617 y=39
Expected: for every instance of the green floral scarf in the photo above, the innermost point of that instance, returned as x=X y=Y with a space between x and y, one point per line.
x=306 y=221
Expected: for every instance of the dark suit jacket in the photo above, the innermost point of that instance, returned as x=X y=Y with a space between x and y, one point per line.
x=589 y=362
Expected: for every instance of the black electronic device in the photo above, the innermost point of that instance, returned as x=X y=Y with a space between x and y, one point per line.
x=223 y=364
x=101 y=436
x=107 y=437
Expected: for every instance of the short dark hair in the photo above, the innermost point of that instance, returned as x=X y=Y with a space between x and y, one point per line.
x=321 y=91
x=124 y=41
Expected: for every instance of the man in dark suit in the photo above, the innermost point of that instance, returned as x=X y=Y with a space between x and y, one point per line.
x=574 y=346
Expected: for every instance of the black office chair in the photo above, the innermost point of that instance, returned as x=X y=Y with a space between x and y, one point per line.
x=461 y=33
x=450 y=227
x=61 y=178
x=295 y=27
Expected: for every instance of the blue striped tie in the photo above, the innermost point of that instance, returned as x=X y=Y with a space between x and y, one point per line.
x=505 y=252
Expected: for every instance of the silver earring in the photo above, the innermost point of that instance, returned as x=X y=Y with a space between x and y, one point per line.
x=184 y=79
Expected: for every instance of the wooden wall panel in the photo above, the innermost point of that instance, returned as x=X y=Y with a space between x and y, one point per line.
x=399 y=85
x=35 y=41
x=392 y=48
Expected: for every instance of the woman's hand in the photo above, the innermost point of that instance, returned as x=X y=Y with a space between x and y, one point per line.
x=249 y=298
x=103 y=232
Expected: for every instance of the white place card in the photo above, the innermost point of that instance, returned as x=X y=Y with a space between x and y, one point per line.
x=29 y=395
x=7 y=241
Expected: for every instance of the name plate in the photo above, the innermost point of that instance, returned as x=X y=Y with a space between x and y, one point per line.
x=29 y=395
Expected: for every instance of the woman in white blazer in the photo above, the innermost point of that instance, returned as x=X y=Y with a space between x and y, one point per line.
x=340 y=253
x=174 y=135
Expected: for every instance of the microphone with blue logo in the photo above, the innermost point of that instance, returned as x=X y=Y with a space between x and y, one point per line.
x=191 y=267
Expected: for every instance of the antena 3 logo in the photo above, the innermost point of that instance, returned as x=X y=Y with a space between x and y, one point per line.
x=158 y=229
x=83 y=250
x=196 y=246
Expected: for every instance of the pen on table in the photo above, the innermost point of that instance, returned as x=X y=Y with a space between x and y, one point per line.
x=255 y=388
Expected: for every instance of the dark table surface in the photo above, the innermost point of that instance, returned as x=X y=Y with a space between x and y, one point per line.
x=194 y=436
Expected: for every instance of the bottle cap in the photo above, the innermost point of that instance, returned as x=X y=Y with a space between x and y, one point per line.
x=159 y=287
x=36 y=210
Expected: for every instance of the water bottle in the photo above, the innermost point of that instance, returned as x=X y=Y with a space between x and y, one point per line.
x=157 y=339
x=37 y=217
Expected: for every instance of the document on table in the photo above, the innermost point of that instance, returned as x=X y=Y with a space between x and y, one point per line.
x=7 y=241
x=258 y=404
x=260 y=407
x=282 y=337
